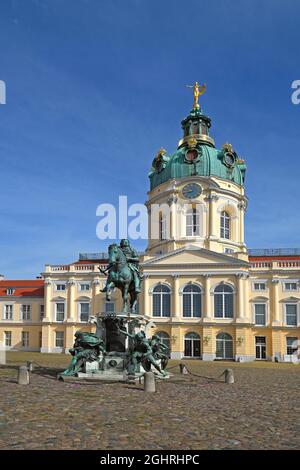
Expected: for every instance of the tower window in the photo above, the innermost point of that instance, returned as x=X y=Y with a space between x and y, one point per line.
x=196 y=128
x=162 y=227
x=192 y=223
x=225 y=225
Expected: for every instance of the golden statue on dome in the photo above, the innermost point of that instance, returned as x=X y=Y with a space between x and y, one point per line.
x=198 y=91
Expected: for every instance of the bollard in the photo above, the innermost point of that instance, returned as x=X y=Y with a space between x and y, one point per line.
x=2 y=357
x=23 y=376
x=183 y=369
x=30 y=366
x=149 y=382
x=229 y=377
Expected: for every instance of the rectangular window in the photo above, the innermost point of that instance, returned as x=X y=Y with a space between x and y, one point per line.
x=260 y=314
x=25 y=339
x=109 y=307
x=10 y=291
x=162 y=227
x=60 y=287
x=192 y=223
x=59 y=339
x=84 y=287
x=290 y=286
x=42 y=312
x=40 y=339
x=291 y=345
x=291 y=314
x=26 y=312
x=60 y=311
x=259 y=286
x=84 y=311
x=7 y=338
x=8 y=312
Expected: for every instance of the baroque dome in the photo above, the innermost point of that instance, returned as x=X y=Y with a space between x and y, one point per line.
x=196 y=155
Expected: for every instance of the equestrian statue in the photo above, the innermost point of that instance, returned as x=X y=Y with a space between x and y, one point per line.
x=123 y=272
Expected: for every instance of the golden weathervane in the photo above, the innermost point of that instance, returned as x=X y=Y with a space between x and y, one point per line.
x=198 y=91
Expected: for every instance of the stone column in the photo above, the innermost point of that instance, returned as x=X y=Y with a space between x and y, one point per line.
x=95 y=287
x=241 y=207
x=176 y=310
x=172 y=203
x=47 y=299
x=240 y=296
x=212 y=198
x=207 y=310
x=71 y=301
x=146 y=296
x=276 y=313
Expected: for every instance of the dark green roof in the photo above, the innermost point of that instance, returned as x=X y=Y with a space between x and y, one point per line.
x=197 y=155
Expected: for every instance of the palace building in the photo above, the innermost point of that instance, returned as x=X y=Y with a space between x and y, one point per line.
x=210 y=296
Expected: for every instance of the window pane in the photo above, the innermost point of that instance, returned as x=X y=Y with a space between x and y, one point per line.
x=229 y=306
x=156 y=305
x=187 y=305
x=218 y=305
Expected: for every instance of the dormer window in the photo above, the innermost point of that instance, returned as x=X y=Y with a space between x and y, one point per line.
x=10 y=291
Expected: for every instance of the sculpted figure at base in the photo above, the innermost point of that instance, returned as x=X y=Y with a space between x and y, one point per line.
x=123 y=273
x=141 y=353
x=87 y=348
x=160 y=351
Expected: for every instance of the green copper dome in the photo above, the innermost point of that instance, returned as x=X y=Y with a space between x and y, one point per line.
x=196 y=155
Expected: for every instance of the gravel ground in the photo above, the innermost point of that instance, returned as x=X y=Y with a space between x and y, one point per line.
x=260 y=411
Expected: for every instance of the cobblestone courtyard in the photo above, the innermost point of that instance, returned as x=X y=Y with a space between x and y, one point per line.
x=260 y=411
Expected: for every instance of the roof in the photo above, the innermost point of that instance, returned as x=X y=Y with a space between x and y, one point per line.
x=22 y=288
x=207 y=162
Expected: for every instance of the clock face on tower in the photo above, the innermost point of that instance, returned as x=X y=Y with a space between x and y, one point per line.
x=191 y=191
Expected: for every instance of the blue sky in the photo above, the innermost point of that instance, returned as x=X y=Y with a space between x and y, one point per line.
x=95 y=87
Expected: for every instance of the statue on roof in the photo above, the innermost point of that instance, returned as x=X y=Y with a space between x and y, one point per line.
x=198 y=91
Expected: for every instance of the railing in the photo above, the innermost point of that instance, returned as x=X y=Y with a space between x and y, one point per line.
x=74 y=268
x=275 y=264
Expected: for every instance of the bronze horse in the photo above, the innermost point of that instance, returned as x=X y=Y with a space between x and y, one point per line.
x=120 y=276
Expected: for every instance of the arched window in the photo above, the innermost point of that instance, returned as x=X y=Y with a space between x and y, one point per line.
x=192 y=345
x=225 y=225
x=224 y=346
x=191 y=301
x=162 y=227
x=164 y=337
x=223 y=300
x=161 y=301
x=192 y=222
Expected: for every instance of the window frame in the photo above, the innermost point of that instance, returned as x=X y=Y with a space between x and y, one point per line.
x=225 y=232
x=61 y=346
x=56 y=312
x=162 y=295
x=6 y=336
x=191 y=294
x=224 y=296
x=29 y=310
x=80 y=303
x=265 y=305
x=195 y=222
x=11 y=316
x=296 y=305
x=25 y=334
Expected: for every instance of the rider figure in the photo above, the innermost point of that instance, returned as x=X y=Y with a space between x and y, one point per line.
x=133 y=261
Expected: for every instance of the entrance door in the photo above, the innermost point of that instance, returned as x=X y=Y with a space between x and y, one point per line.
x=192 y=345
x=224 y=346
x=260 y=348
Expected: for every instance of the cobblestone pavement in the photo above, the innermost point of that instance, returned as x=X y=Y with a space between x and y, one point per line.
x=260 y=411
